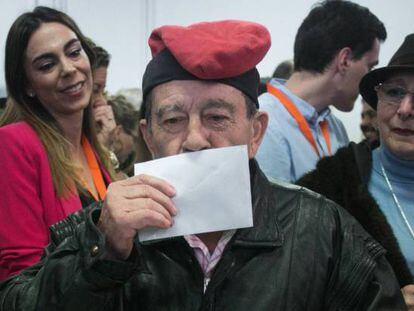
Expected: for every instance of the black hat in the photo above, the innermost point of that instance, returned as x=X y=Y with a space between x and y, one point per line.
x=402 y=61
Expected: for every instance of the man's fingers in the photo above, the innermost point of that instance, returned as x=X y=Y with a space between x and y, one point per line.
x=146 y=217
x=104 y=117
x=135 y=215
x=103 y=108
x=148 y=204
x=103 y=113
x=100 y=115
x=155 y=182
x=148 y=192
x=106 y=110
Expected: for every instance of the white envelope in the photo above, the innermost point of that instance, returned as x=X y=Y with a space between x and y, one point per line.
x=213 y=191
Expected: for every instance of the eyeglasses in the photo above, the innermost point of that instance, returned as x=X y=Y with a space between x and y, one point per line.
x=391 y=93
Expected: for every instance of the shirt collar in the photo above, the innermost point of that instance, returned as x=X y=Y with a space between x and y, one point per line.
x=307 y=110
x=194 y=241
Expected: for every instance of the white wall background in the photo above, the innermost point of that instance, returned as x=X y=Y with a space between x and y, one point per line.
x=122 y=27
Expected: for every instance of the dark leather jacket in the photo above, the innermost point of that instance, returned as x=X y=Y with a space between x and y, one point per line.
x=303 y=253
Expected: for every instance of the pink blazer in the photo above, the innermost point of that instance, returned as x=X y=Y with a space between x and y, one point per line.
x=28 y=202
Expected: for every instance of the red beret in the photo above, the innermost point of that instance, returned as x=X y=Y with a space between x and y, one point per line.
x=213 y=50
x=224 y=51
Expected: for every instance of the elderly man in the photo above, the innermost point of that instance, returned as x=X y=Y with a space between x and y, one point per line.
x=337 y=43
x=303 y=252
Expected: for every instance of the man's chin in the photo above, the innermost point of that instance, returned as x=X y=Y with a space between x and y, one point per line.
x=345 y=107
x=370 y=134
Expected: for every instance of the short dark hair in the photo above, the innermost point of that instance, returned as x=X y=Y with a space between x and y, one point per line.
x=331 y=26
x=18 y=39
x=284 y=70
x=102 y=57
x=125 y=114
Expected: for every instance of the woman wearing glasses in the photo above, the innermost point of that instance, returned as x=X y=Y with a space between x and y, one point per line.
x=51 y=162
x=377 y=187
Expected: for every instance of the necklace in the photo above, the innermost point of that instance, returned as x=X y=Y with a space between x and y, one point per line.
x=397 y=203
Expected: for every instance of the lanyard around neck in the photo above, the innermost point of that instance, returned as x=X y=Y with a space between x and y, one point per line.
x=300 y=119
x=94 y=169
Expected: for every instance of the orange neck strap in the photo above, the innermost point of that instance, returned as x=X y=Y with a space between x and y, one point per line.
x=300 y=119
x=94 y=169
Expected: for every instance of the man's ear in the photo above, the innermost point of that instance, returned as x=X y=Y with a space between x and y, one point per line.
x=147 y=135
x=260 y=121
x=343 y=60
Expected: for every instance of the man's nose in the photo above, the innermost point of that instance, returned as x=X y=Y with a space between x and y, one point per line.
x=197 y=137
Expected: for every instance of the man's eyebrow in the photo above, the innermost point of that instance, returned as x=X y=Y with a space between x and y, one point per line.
x=51 y=55
x=170 y=108
x=218 y=103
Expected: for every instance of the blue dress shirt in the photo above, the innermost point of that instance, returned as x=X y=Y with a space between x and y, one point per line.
x=285 y=154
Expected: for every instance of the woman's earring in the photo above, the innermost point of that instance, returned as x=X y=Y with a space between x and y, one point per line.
x=31 y=94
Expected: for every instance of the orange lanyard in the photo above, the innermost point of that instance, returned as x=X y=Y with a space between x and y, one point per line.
x=94 y=169
x=300 y=119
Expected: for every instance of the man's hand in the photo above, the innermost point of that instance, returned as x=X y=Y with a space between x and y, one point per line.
x=104 y=117
x=408 y=293
x=133 y=204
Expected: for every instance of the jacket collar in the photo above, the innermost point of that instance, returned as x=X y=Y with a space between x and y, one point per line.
x=266 y=231
x=363 y=158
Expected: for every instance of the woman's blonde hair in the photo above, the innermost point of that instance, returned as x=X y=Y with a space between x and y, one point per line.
x=21 y=107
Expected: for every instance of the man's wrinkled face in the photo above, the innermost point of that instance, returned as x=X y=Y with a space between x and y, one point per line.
x=190 y=116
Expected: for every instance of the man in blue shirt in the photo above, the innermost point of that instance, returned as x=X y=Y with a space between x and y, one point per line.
x=337 y=43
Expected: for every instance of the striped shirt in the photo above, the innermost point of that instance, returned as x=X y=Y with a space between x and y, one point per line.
x=207 y=260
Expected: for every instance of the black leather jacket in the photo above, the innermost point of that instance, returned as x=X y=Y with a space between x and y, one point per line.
x=303 y=253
